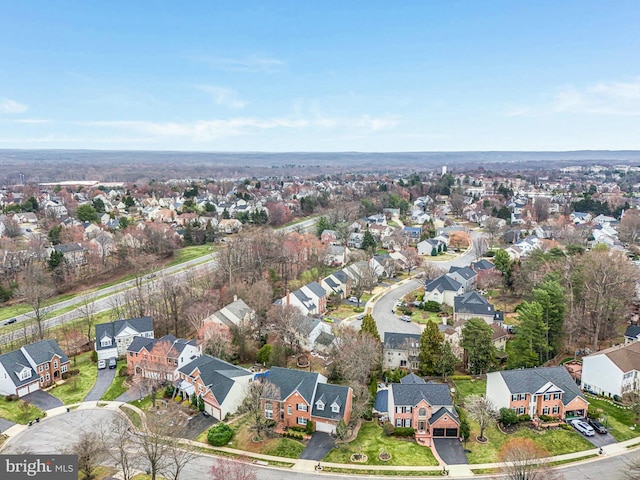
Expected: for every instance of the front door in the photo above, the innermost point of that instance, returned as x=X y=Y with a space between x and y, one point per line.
x=422 y=425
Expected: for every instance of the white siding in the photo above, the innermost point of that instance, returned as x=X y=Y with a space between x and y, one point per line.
x=497 y=390
x=6 y=384
x=235 y=396
x=601 y=375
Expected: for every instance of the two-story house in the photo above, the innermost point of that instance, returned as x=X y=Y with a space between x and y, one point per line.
x=231 y=315
x=426 y=407
x=113 y=338
x=310 y=299
x=338 y=282
x=221 y=385
x=160 y=358
x=466 y=276
x=442 y=290
x=613 y=371
x=305 y=396
x=473 y=305
x=34 y=366
x=401 y=350
x=538 y=391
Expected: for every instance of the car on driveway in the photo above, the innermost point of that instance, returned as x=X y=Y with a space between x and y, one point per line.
x=102 y=364
x=597 y=426
x=352 y=299
x=405 y=318
x=113 y=362
x=583 y=427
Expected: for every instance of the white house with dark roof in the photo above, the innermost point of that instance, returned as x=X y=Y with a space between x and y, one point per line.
x=443 y=290
x=632 y=334
x=466 y=276
x=34 y=366
x=309 y=330
x=613 y=371
x=474 y=305
x=401 y=350
x=310 y=299
x=233 y=314
x=221 y=385
x=338 y=283
x=113 y=338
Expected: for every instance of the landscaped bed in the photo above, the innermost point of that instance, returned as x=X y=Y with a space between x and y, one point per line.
x=371 y=440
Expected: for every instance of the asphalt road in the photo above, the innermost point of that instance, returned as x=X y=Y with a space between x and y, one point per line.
x=66 y=428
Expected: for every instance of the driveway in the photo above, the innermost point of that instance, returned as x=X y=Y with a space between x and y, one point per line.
x=318 y=447
x=42 y=400
x=600 y=440
x=450 y=451
x=195 y=426
x=136 y=392
x=5 y=424
x=103 y=382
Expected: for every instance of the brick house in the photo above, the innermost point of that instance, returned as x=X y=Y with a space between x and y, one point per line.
x=306 y=396
x=31 y=368
x=160 y=358
x=426 y=407
x=538 y=391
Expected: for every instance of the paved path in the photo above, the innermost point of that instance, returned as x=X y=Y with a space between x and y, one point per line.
x=103 y=382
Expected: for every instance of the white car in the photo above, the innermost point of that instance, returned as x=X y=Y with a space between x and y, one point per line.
x=583 y=427
x=102 y=364
x=352 y=299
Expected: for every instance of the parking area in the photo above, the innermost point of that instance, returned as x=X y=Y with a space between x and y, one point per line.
x=450 y=450
x=42 y=400
x=318 y=447
x=103 y=382
x=600 y=440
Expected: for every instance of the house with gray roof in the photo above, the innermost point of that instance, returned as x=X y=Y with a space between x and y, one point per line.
x=612 y=371
x=310 y=299
x=338 y=282
x=160 y=358
x=426 y=407
x=549 y=391
x=632 y=334
x=233 y=314
x=466 y=276
x=401 y=350
x=221 y=386
x=113 y=338
x=32 y=367
x=308 y=330
x=443 y=290
x=473 y=305
x=301 y=397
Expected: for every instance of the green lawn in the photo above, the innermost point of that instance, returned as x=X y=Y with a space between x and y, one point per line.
x=18 y=411
x=286 y=447
x=470 y=387
x=422 y=316
x=371 y=440
x=132 y=415
x=617 y=420
x=76 y=387
x=556 y=442
x=117 y=387
x=189 y=253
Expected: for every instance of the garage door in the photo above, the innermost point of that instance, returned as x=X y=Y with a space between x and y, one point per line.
x=438 y=432
x=451 y=432
x=324 y=427
x=23 y=391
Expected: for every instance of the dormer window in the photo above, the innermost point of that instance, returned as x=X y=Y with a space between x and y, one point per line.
x=105 y=342
x=335 y=408
x=320 y=405
x=25 y=373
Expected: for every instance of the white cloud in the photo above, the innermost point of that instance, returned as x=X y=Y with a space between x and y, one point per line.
x=250 y=64
x=226 y=97
x=32 y=121
x=609 y=98
x=11 y=106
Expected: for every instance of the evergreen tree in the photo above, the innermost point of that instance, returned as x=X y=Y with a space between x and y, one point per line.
x=322 y=225
x=55 y=259
x=86 y=213
x=369 y=326
x=368 y=242
x=550 y=295
x=430 y=348
x=478 y=346
x=447 y=361
x=529 y=348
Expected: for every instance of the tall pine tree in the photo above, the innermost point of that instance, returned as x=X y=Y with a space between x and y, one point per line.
x=550 y=296
x=430 y=347
x=369 y=326
x=529 y=348
x=478 y=346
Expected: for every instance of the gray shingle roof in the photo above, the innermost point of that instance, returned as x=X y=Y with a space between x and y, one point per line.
x=330 y=394
x=412 y=379
x=436 y=394
x=289 y=381
x=474 y=303
x=13 y=363
x=177 y=344
x=317 y=289
x=464 y=272
x=112 y=329
x=443 y=283
x=44 y=351
x=216 y=374
x=442 y=411
x=632 y=331
x=395 y=341
x=530 y=380
x=483 y=264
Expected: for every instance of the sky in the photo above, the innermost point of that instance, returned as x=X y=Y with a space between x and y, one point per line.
x=275 y=76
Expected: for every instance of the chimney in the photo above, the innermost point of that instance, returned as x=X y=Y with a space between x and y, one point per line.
x=235 y=298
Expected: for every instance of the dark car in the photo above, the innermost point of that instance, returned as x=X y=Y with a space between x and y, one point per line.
x=10 y=321
x=113 y=362
x=597 y=426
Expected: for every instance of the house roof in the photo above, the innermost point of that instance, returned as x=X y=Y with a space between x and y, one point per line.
x=177 y=345
x=44 y=351
x=216 y=374
x=531 y=380
x=382 y=401
x=316 y=289
x=394 y=340
x=443 y=283
x=113 y=329
x=289 y=381
x=230 y=314
x=325 y=339
x=473 y=303
x=435 y=394
x=306 y=324
x=412 y=379
x=625 y=357
x=441 y=412
x=14 y=362
x=464 y=272
x=632 y=331
x=68 y=248
x=330 y=395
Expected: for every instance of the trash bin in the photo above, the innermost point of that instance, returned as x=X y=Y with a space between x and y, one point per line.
x=68 y=409
x=37 y=419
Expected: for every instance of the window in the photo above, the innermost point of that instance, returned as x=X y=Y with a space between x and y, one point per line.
x=268 y=410
x=407 y=422
x=48 y=377
x=556 y=396
x=200 y=389
x=422 y=412
x=64 y=368
x=320 y=405
x=523 y=396
x=521 y=411
x=105 y=342
x=302 y=407
x=403 y=363
x=131 y=354
x=556 y=409
x=55 y=364
x=39 y=368
x=289 y=410
x=547 y=396
x=25 y=373
x=41 y=379
x=46 y=366
x=302 y=421
x=398 y=422
x=335 y=408
x=514 y=398
x=545 y=411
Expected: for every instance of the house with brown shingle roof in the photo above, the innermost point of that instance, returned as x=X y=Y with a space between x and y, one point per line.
x=613 y=371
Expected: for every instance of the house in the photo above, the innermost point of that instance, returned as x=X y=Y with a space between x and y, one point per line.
x=230 y=225
x=580 y=218
x=32 y=367
x=412 y=232
x=632 y=334
x=338 y=283
x=232 y=315
x=401 y=350
x=329 y=237
x=160 y=358
x=221 y=386
x=466 y=276
x=613 y=371
x=72 y=253
x=355 y=240
x=429 y=246
x=426 y=407
x=442 y=290
x=113 y=338
x=336 y=256
x=310 y=299
x=538 y=391
x=473 y=305
x=305 y=396
x=308 y=330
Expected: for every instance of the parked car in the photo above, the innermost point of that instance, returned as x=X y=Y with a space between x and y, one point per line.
x=360 y=317
x=102 y=364
x=405 y=318
x=352 y=299
x=597 y=426
x=113 y=362
x=583 y=427
x=10 y=321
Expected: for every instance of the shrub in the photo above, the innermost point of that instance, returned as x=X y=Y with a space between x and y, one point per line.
x=194 y=399
x=297 y=429
x=358 y=309
x=564 y=426
x=200 y=403
x=124 y=371
x=546 y=418
x=94 y=356
x=524 y=418
x=508 y=416
x=431 y=306
x=368 y=414
x=404 y=432
x=263 y=355
x=74 y=371
x=617 y=398
x=12 y=397
x=388 y=429
x=309 y=428
x=460 y=377
x=178 y=398
x=168 y=391
x=219 y=434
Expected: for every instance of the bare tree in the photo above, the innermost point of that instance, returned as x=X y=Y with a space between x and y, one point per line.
x=152 y=442
x=227 y=469
x=479 y=246
x=541 y=208
x=91 y=452
x=412 y=258
x=216 y=341
x=431 y=271
x=521 y=460
x=629 y=228
x=456 y=201
x=482 y=410
x=257 y=392
x=492 y=227
x=87 y=309
x=177 y=458
x=284 y=319
x=36 y=288
x=121 y=446
x=11 y=228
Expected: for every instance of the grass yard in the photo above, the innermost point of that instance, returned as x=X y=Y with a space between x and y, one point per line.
x=617 y=420
x=19 y=411
x=371 y=440
x=132 y=415
x=100 y=473
x=117 y=387
x=422 y=316
x=470 y=387
x=556 y=442
x=75 y=388
x=190 y=253
x=285 y=447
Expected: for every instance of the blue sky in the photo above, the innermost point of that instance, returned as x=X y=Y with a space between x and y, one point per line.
x=320 y=75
